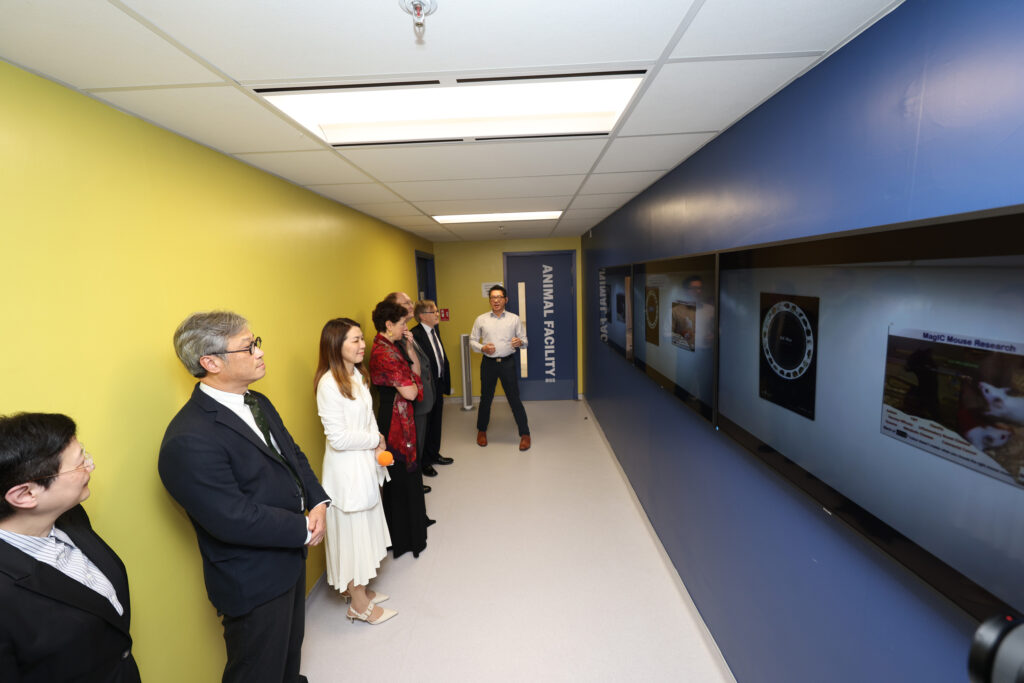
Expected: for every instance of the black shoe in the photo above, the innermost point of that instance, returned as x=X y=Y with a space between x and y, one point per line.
x=431 y=521
x=427 y=489
x=429 y=471
x=441 y=460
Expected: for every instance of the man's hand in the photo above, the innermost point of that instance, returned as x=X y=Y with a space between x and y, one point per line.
x=516 y=342
x=317 y=524
x=487 y=348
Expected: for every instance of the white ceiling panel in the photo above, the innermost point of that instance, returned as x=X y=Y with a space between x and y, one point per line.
x=709 y=96
x=652 y=153
x=358 y=193
x=569 y=230
x=355 y=38
x=513 y=204
x=601 y=201
x=503 y=231
x=221 y=117
x=387 y=210
x=603 y=183
x=489 y=188
x=436 y=235
x=416 y=222
x=735 y=27
x=322 y=167
x=481 y=160
x=586 y=214
x=191 y=66
x=92 y=44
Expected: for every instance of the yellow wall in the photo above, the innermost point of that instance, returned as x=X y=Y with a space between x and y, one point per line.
x=462 y=268
x=112 y=232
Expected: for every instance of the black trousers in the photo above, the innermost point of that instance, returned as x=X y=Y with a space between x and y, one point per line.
x=432 y=446
x=265 y=645
x=504 y=369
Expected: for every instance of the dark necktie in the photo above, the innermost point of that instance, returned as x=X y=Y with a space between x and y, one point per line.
x=261 y=422
x=437 y=351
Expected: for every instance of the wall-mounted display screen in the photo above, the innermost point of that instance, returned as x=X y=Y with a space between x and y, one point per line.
x=673 y=302
x=900 y=384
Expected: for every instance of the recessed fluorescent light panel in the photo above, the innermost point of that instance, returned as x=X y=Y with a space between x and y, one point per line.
x=496 y=217
x=506 y=109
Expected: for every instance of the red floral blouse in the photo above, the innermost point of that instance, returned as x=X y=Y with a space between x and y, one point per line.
x=389 y=369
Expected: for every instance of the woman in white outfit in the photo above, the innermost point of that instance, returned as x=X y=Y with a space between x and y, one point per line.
x=357 y=532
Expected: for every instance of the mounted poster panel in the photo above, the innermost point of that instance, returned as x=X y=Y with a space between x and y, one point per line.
x=912 y=431
x=673 y=300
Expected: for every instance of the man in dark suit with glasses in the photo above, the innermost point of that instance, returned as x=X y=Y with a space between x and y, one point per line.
x=228 y=460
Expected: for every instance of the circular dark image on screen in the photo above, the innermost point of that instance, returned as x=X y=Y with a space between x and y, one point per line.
x=787 y=340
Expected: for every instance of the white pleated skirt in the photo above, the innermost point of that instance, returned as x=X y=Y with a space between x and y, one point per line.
x=356 y=542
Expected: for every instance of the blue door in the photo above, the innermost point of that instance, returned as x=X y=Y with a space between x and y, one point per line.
x=546 y=282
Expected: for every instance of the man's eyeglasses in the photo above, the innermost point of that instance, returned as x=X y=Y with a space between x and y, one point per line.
x=251 y=348
x=496 y=298
x=87 y=464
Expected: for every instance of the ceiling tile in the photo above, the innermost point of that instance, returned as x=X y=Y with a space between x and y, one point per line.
x=489 y=188
x=570 y=230
x=652 y=153
x=502 y=231
x=92 y=45
x=477 y=160
x=221 y=117
x=357 y=193
x=435 y=235
x=387 y=210
x=601 y=201
x=416 y=222
x=320 y=167
x=330 y=39
x=736 y=27
x=514 y=204
x=602 y=183
x=581 y=215
x=709 y=96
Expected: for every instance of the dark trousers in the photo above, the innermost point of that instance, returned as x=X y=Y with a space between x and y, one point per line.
x=504 y=369
x=432 y=447
x=265 y=645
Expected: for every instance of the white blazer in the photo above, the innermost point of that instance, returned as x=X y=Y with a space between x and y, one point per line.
x=352 y=477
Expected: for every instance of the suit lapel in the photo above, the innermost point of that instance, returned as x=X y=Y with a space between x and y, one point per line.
x=89 y=542
x=226 y=417
x=44 y=580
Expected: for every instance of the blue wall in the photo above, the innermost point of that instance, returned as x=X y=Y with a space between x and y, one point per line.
x=921 y=116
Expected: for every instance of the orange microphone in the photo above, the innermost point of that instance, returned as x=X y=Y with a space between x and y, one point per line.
x=385 y=458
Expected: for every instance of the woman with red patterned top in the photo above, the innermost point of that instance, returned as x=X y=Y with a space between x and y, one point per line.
x=398 y=387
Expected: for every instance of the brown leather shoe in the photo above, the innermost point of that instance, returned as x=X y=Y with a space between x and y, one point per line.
x=524 y=443
x=481 y=438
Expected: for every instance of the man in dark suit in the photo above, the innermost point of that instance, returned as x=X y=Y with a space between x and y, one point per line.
x=426 y=335
x=246 y=485
x=64 y=593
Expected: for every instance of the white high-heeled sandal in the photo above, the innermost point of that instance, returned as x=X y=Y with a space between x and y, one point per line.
x=365 y=616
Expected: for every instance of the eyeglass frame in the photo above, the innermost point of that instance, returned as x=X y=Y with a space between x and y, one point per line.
x=89 y=462
x=256 y=343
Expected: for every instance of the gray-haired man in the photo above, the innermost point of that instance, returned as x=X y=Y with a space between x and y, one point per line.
x=229 y=461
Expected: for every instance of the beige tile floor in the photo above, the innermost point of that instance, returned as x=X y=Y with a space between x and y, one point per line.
x=542 y=567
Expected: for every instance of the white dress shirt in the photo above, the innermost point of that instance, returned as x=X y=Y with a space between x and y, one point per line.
x=497 y=330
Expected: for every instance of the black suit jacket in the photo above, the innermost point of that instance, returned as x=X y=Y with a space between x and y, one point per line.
x=443 y=383
x=242 y=500
x=53 y=628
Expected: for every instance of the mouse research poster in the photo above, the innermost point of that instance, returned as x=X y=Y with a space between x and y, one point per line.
x=959 y=397
x=789 y=351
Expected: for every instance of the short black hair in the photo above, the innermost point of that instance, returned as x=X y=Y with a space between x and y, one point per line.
x=499 y=288
x=30 y=448
x=388 y=312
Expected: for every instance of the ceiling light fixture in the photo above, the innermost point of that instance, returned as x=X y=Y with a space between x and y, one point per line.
x=496 y=217
x=528 y=108
x=419 y=9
